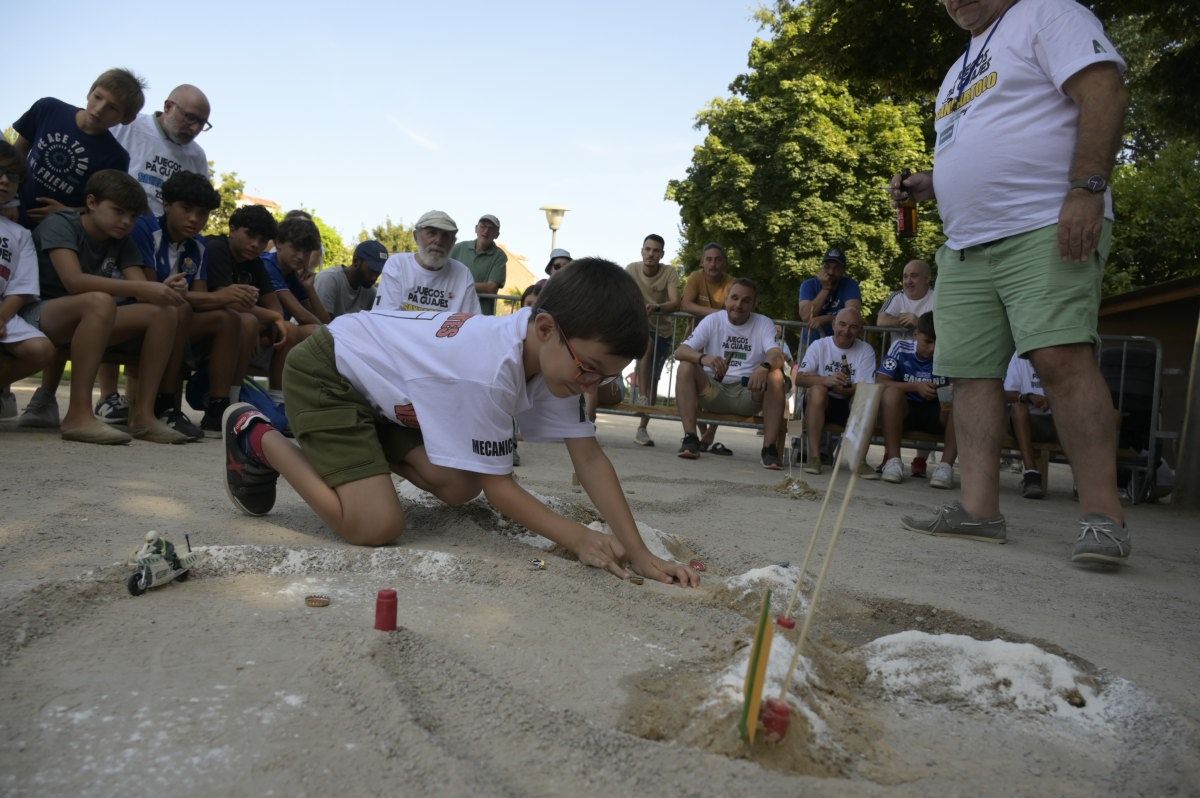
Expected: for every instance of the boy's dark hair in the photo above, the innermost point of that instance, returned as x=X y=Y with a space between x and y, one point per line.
x=596 y=300
x=925 y=325
x=9 y=154
x=535 y=290
x=255 y=218
x=119 y=188
x=297 y=213
x=192 y=188
x=301 y=233
x=746 y=282
x=655 y=237
x=127 y=89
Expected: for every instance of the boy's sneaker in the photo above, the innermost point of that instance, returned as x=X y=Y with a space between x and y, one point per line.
x=690 y=448
x=177 y=421
x=1101 y=539
x=249 y=484
x=642 y=437
x=918 y=467
x=942 y=476
x=893 y=471
x=951 y=520
x=113 y=409
x=42 y=411
x=770 y=458
x=1031 y=484
x=8 y=405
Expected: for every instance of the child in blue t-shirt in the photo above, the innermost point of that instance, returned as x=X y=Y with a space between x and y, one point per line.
x=63 y=145
x=910 y=402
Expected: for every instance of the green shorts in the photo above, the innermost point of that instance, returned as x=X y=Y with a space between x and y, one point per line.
x=729 y=397
x=339 y=432
x=1015 y=294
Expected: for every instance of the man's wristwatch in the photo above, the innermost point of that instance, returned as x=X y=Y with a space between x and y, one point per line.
x=766 y=364
x=1096 y=184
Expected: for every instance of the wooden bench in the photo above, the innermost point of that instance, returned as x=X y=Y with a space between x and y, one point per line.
x=671 y=413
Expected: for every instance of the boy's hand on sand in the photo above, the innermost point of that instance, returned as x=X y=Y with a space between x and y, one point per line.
x=601 y=551
x=665 y=571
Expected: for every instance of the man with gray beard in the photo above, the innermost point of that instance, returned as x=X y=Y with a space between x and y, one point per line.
x=428 y=279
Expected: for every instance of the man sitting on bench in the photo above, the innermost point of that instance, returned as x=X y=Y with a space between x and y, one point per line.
x=732 y=364
x=1031 y=419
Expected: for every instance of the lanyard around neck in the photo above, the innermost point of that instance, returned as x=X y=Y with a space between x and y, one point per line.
x=967 y=72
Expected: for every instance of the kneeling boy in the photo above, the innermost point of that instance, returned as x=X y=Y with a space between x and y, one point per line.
x=431 y=396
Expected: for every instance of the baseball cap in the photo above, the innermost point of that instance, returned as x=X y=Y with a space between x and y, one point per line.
x=487 y=217
x=374 y=253
x=438 y=220
x=555 y=254
x=835 y=254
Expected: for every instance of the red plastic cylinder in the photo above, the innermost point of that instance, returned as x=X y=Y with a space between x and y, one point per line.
x=385 y=610
x=776 y=717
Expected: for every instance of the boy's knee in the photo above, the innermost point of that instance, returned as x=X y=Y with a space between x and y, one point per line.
x=98 y=303
x=43 y=352
x=373 y=534
x=458 y=491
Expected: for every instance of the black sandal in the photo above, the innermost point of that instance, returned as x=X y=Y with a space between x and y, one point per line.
x=720 y=448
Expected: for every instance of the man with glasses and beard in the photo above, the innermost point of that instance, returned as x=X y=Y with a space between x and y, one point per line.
x=163 y=143
x=428 y=279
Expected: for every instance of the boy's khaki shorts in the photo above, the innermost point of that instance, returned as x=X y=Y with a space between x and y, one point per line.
x=1013 y=294
x=338 y=430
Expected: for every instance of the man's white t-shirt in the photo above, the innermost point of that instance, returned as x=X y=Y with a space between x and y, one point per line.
x=1023 y=378
x=153 y=157
x=743 y=346
x=1003 y=151
x=457 y=377
x=407 y=285
x=18 y=277
x=899 y=302
x=823 y=357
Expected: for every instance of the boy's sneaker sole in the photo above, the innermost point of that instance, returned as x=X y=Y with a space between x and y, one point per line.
x=952 y=521
x=249 y=485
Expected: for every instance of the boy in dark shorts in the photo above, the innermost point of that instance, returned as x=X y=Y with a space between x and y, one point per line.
x=431 y=396
x=911 y=403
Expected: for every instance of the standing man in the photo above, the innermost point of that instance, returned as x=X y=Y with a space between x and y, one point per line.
x=824 y=296
x=660 y=290
x=905 y=307
x=349 y=289
x=163 y=143
x=703 y=295
x=1027 y=128
x=487 y=262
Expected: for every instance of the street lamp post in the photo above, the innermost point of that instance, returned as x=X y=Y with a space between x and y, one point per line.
x=554 y=217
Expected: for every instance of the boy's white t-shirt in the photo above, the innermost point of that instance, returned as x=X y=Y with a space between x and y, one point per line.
x=458 y=378
x=18 y=277
x=1003 y=153
x=823 y=357
x=153 y=157
x=405 y=284
x=1023 y=378
x=744 y=346
x=899 y=303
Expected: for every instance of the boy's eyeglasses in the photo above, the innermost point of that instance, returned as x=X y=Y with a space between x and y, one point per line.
x=587 y=375
x=11 y=174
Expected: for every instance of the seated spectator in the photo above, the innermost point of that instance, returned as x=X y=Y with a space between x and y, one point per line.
x=905 y=307
x=487 y=263
x=529 y=296
x=1031 y=417
x=428 y=279
x=64 y=145
x=831 y=369
x=235 y=267
x=732 y=364
x=823 y=296
x=219 y=325
x=288 y=267
x=558 y=259
x=660 y=289
x=23 y=349
x=86 y=261
x=349 y=289
x=910 y=402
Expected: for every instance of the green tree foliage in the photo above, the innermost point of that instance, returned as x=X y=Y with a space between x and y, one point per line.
x=10 y=135
x=230 y=190
x=336 y=251
x=792 y=165
x=396 y=236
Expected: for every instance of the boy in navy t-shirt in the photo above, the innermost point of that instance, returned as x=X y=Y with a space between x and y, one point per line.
x=63 y=145
x=911 y=403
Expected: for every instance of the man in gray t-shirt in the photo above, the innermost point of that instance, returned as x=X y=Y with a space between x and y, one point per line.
x=349 y=289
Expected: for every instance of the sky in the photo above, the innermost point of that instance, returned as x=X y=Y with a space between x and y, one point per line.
x=363 y=110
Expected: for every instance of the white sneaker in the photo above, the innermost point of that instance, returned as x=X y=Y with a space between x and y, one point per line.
x=893 y=470
x=942 y=476
x=642 y=437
